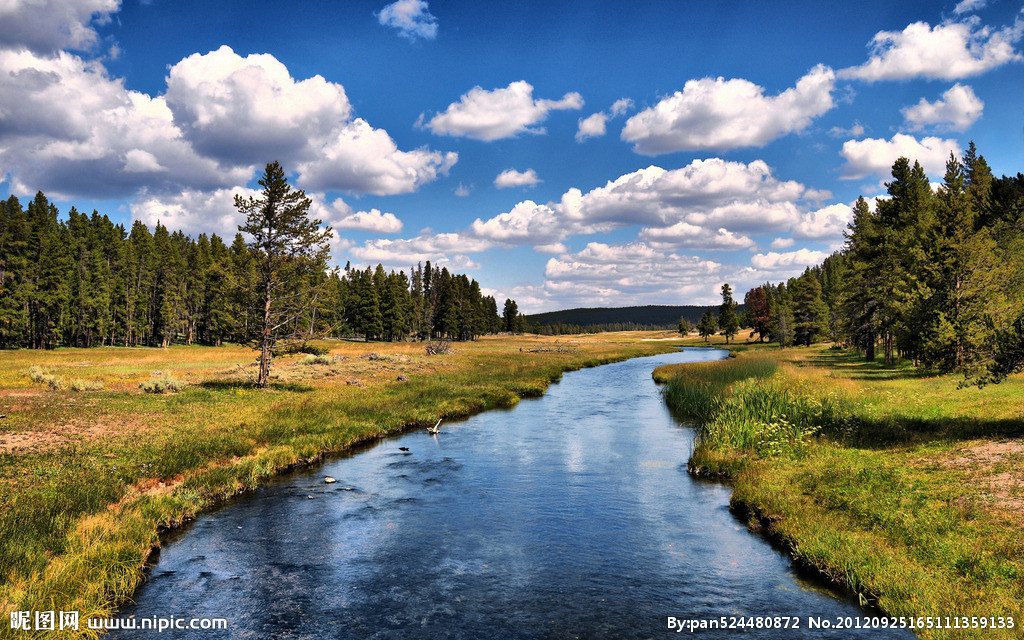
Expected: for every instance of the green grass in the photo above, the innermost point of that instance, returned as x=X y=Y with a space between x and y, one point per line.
x=88 y=479
x=896 y=484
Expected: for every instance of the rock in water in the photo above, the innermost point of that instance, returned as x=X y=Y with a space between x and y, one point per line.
x=329 y=480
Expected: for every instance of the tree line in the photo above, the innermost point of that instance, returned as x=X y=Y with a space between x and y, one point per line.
x=84 y=281
x=935 y=277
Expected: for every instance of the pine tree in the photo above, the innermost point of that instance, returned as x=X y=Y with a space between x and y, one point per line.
x=286 y=245
x=728 y=322
x=810 y=315
x=707 y=325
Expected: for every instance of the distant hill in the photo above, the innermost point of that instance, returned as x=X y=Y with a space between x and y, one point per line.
x=648 y=316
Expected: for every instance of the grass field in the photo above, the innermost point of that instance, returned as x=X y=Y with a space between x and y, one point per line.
x=897 y=484
x=89 y=477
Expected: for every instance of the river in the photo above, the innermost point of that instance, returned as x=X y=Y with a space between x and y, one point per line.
x=569 y=516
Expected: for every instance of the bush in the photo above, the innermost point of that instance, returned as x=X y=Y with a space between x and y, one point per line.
x=315 y=359
x=305 y=347
x=40 y=375
x=78 y=384
x=441 y=346
x=162 y=385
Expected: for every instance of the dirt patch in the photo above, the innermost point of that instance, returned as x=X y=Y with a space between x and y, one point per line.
x=27 y=442
x=995 y=465
x=20 y=393
x=987 y=454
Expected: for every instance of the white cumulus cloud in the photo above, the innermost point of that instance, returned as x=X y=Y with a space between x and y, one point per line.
x=621 y=106
x=684 y=234
x=243 y=111
x=623 y=274
x=876 y=155
x=512 y=178
x=828 y=222
x=444 y=249
x=46 y=26
x=412 y=18
x=250 y=110
x=593 y=126
x=359 y=158
x=957 y=109
x=70 y=129
x=947 y=51
x=728 y=114
x=192 y=211
x=791 y=261
x=499 y=113
x=344 y=217
x=713 y=201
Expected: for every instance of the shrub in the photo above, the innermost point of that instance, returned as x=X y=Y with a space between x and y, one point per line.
x=162 y=385
x=441 y=346
x=78 y=384
x=40 y=375
x=315 y=359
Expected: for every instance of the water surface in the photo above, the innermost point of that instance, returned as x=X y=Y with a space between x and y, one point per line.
x=571 y=515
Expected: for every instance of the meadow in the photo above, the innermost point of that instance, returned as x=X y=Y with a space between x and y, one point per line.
x=103 y=449
x=900 y=486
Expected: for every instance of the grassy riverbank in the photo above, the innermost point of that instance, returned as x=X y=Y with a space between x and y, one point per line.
x=88 y=477
x=898 y=485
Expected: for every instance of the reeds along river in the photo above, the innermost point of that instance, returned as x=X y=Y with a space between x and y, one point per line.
x=571 y=515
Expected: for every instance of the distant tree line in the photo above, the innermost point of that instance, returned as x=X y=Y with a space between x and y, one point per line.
x=935 y=277
x=86 y=281
x=566 y=329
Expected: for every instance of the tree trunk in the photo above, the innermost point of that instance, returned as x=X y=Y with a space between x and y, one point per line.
x=264 y=376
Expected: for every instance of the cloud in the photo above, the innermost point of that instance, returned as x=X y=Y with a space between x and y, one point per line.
x=442 y=249
x=714 y=192
x=527 y=223
x=592 y=126
x=782 y=243
x=713 y=201
x=968 y=6
x=957 y=109
x=363 y=159
x=462 y=190
x=46 y=26
x=71 y=130
x=412 y=18
x=947 y=51
x=827 y=222
x=856 y=130
x=876 y=156
x=248 y=110
x=792 y=262
x=633 y=273
x=728 y=114
x=684 y=234
x=512 y=178
x=192 y=211
x=499 y=113
x=373 y=220
x=621 y=106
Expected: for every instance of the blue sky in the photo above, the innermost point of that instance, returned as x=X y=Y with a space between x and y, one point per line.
x=564 y=154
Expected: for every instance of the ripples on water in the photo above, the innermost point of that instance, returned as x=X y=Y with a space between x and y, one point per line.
x=571 y=515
